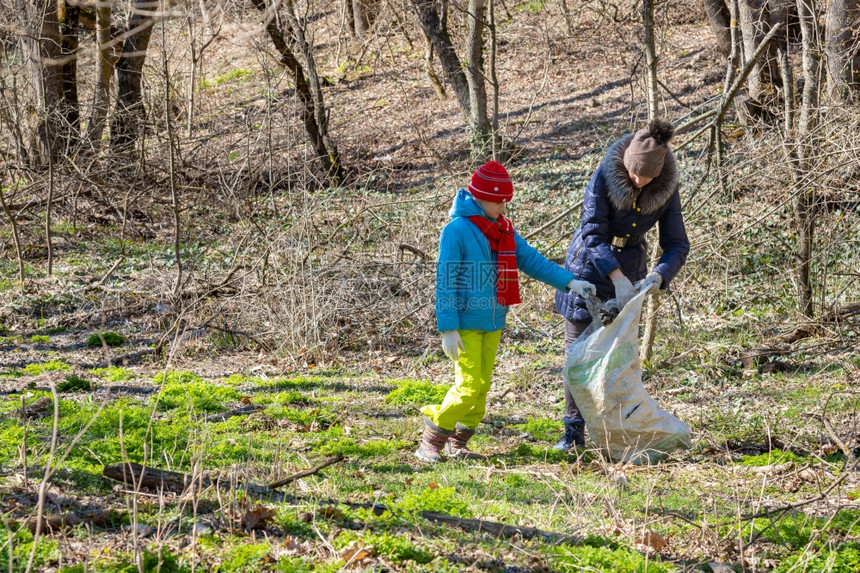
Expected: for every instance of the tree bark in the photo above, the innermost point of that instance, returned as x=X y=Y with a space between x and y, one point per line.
x=842 y=19
x=720 y=22
x=433 y=26
x=479 y=126
x=129 y=112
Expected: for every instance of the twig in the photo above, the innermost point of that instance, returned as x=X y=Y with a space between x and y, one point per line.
x=553 y=221
x=733 y=90
x=312 y=471
x=827 y=426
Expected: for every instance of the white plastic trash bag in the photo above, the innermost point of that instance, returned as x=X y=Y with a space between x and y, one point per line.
x=605 y=378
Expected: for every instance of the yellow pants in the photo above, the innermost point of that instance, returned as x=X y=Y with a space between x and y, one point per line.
x=466 y=401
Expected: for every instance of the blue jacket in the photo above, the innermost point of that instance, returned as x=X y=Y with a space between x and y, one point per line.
x=466 y=272
x=614 y=207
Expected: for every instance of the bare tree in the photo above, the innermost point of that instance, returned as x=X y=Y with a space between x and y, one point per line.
x=309 y=92
x=42 y=47
x=479 y=125
x=653 y=108
x=720 y=21
x=104 y=72
x=437 y=30
x=804 y=197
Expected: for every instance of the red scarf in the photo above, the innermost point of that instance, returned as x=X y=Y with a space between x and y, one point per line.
x=500 y=235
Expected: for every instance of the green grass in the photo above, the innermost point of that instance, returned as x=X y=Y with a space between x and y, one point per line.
x=372 y=423
x=416 y=393
x=74 y=383
x=113 y=373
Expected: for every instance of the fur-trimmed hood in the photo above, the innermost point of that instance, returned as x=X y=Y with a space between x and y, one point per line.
x=621 y=190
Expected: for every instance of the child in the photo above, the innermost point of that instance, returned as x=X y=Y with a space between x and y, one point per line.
x=476 y=281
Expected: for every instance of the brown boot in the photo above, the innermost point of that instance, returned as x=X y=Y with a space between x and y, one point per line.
x=456 y=446
x=432 y=442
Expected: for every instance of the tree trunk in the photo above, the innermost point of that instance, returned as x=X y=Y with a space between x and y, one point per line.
x=69 y=18
x=804 y=198
x=433 y=26
x=479 y=126
x=349 y=16
x=328 y=157
x=842 y=73
x=43 y=51
x=650 y=58
x=104 y=71
x=364 y=13
x=428 y=65
x=720 y=21
x=653 y=303
x=129 y=113
x=753 y=24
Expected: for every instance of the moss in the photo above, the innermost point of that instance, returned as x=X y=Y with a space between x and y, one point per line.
x=775 y=456
x=109 y=338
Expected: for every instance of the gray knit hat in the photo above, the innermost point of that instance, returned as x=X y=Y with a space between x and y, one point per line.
x=646 y=152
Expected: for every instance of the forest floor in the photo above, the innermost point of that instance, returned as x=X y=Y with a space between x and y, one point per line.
x=236 y=404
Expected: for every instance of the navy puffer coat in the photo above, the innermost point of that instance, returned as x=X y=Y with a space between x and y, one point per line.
x=614 y=207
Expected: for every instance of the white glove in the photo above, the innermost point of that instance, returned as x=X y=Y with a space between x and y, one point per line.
x=623 y=291
x=452 y=344
x=581 y=287
x=652 y=283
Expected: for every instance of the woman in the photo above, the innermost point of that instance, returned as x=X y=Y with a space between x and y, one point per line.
x=634 y=189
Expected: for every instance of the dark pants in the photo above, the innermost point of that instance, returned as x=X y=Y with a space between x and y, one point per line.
x=572 y=330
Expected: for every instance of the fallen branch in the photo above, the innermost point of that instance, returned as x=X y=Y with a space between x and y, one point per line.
x=140 y=476
x=501 y=529
x=53 y=523
x=312 y=471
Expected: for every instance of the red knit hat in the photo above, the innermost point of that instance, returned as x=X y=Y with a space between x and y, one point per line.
x=491 y=182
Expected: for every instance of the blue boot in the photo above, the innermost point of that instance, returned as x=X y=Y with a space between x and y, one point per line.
x=574 y=434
